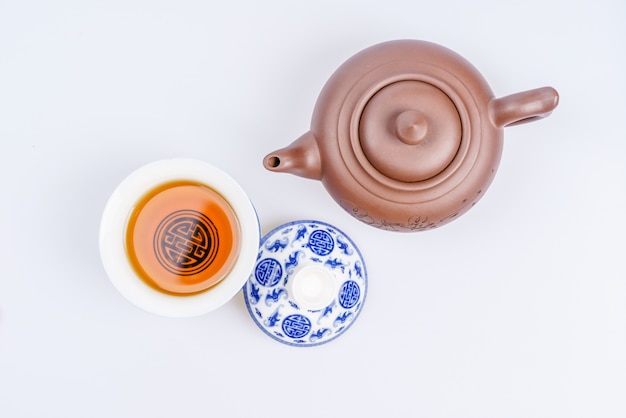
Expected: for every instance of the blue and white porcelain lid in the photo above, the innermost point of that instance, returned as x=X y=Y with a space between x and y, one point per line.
x=308 y=284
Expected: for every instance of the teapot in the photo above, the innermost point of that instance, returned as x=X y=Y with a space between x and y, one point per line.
x=406 y=135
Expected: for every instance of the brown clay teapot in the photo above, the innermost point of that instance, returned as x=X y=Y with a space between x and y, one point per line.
x=407 y=135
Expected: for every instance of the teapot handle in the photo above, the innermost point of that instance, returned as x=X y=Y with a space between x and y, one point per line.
x=523 y=107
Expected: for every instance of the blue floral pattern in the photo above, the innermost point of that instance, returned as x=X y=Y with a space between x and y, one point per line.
x=287 y=249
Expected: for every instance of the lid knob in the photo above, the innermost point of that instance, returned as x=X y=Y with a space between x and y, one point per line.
x=313 y=287
x=411 y=127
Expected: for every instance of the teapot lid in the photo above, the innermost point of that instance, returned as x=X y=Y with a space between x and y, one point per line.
x=410 y=130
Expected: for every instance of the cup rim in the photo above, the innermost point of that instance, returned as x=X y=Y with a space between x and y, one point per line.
x=114 y=222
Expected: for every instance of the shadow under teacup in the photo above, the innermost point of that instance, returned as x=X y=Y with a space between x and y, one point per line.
x=179 y=237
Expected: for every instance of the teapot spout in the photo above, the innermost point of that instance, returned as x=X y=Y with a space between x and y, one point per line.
x=301 y=158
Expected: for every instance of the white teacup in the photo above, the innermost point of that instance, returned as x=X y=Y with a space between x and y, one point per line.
x=179 y=237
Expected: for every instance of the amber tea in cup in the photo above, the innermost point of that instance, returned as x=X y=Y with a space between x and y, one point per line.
x=182 y=238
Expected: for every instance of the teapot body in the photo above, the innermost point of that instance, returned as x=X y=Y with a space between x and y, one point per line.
x=376 y=198
x=407 y=135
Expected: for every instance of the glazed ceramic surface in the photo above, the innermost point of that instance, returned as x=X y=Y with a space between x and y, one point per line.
x=113 y=237
x=313 y=312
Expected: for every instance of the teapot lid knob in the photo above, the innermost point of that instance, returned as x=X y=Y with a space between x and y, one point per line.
x=411 y=127
x=410 y=131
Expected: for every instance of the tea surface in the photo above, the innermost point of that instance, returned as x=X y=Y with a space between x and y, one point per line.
x=182 y=238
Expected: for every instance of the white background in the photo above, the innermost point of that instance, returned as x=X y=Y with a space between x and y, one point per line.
x=517 y=309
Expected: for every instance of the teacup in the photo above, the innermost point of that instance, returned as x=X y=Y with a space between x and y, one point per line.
x=179 y=237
